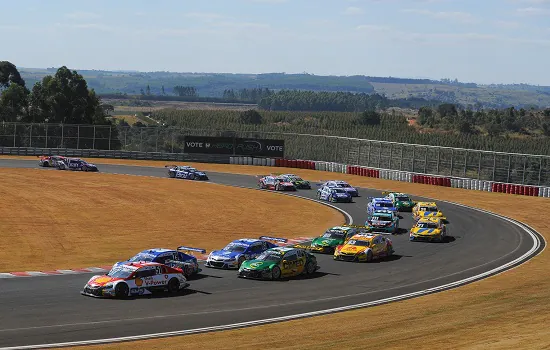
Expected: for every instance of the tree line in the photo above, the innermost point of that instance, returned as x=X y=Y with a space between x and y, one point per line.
x=62 y=98
x=296 y=100
x=492 y=122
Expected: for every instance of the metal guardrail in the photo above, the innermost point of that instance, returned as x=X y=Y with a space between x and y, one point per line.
x=167 y=142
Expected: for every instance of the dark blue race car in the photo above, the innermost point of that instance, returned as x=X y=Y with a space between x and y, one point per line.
x=240 y=250
x=75 y=164
x=170 y=257
x=185 y=172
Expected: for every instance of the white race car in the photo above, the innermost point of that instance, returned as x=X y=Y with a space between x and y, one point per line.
x=136 y=278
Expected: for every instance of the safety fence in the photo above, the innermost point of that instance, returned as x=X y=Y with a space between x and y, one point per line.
x=395 y=175
x=513 y=168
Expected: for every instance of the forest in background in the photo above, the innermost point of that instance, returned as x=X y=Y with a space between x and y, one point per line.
x=211 y=86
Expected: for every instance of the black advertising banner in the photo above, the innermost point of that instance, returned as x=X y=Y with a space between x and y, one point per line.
x=209 y=145
x=239 y=147
x=260 y=147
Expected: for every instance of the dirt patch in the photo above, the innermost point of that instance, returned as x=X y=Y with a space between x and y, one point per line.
x=55 y=220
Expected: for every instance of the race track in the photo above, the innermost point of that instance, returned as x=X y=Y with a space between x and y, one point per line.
x=43 y=310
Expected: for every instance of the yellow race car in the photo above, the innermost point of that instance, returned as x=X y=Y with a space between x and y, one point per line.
x=427 y=210
x=428 y=229
x=364 y=247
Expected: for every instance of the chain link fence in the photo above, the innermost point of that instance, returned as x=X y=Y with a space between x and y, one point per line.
x=483 y=165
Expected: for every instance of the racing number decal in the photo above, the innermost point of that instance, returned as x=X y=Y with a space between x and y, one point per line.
x=158 y=270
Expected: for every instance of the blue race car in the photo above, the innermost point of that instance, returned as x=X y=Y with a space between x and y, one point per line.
x=380 y=204
x=75 y=164
x=170 y=257
x=240 y=250
x=185 y=172
x=334 y=194
x=383 y=221
x=354 y=192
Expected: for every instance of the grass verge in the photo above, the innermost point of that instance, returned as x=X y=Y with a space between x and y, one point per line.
x=55 y=220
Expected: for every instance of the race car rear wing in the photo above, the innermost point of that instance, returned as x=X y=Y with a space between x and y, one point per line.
x=191 y=249
x=275 y=239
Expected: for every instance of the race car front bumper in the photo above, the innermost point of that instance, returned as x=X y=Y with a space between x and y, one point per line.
x=255 y=274
x=221 y=264
x=346 y=257
x=98 y=292
x=425 y=238
x=383 y=229
x=341 y=199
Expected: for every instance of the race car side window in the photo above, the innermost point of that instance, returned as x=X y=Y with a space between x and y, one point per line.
x=256 y=248
x=291 y=256
x=144 y=273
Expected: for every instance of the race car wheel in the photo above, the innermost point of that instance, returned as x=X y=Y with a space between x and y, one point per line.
x=240 y=261
x=84 y=168
x=173 y=286
x=46 y=164
x=276 y=273
x=121 y=290
x=310 y=267
x=188 y=270
x=369 y=256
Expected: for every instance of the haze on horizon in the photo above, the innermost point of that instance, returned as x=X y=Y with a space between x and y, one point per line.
x=489 y=41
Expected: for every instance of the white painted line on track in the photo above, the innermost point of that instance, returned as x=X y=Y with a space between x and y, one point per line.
x=537 y=242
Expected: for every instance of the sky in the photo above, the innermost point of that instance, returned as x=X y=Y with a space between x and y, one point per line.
x=482 y=41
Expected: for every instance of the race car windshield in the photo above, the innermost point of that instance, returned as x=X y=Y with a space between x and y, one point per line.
x=235 y=247
x=344 y=185
x=359 y=243
x=141 y=257
x=337 y=190
x=426 y=225
x=385 y=205
x=120 y=273
x=403 y=199
x=381 y=218
x=334 y=234
x=428 y=209
x=269 y=256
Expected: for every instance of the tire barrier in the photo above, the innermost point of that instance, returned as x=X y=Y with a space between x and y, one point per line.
x=395 y=175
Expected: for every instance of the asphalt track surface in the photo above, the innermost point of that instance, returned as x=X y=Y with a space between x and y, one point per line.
x=43 y=310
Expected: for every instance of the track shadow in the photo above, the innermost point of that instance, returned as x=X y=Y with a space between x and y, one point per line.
x=201 y=276
x=447 y=239
x=163 y=295
x=314 y=275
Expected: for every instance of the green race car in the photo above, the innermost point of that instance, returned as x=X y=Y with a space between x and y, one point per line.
x=400 y=200
x=333 y=237
x=297 y=181
x=279 y=262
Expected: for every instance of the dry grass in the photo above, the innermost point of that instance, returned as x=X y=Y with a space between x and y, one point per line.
x=508 y=311
x=54 y=220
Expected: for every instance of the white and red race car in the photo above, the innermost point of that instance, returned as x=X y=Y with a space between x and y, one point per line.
x=134 y=279
x=275 y=183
